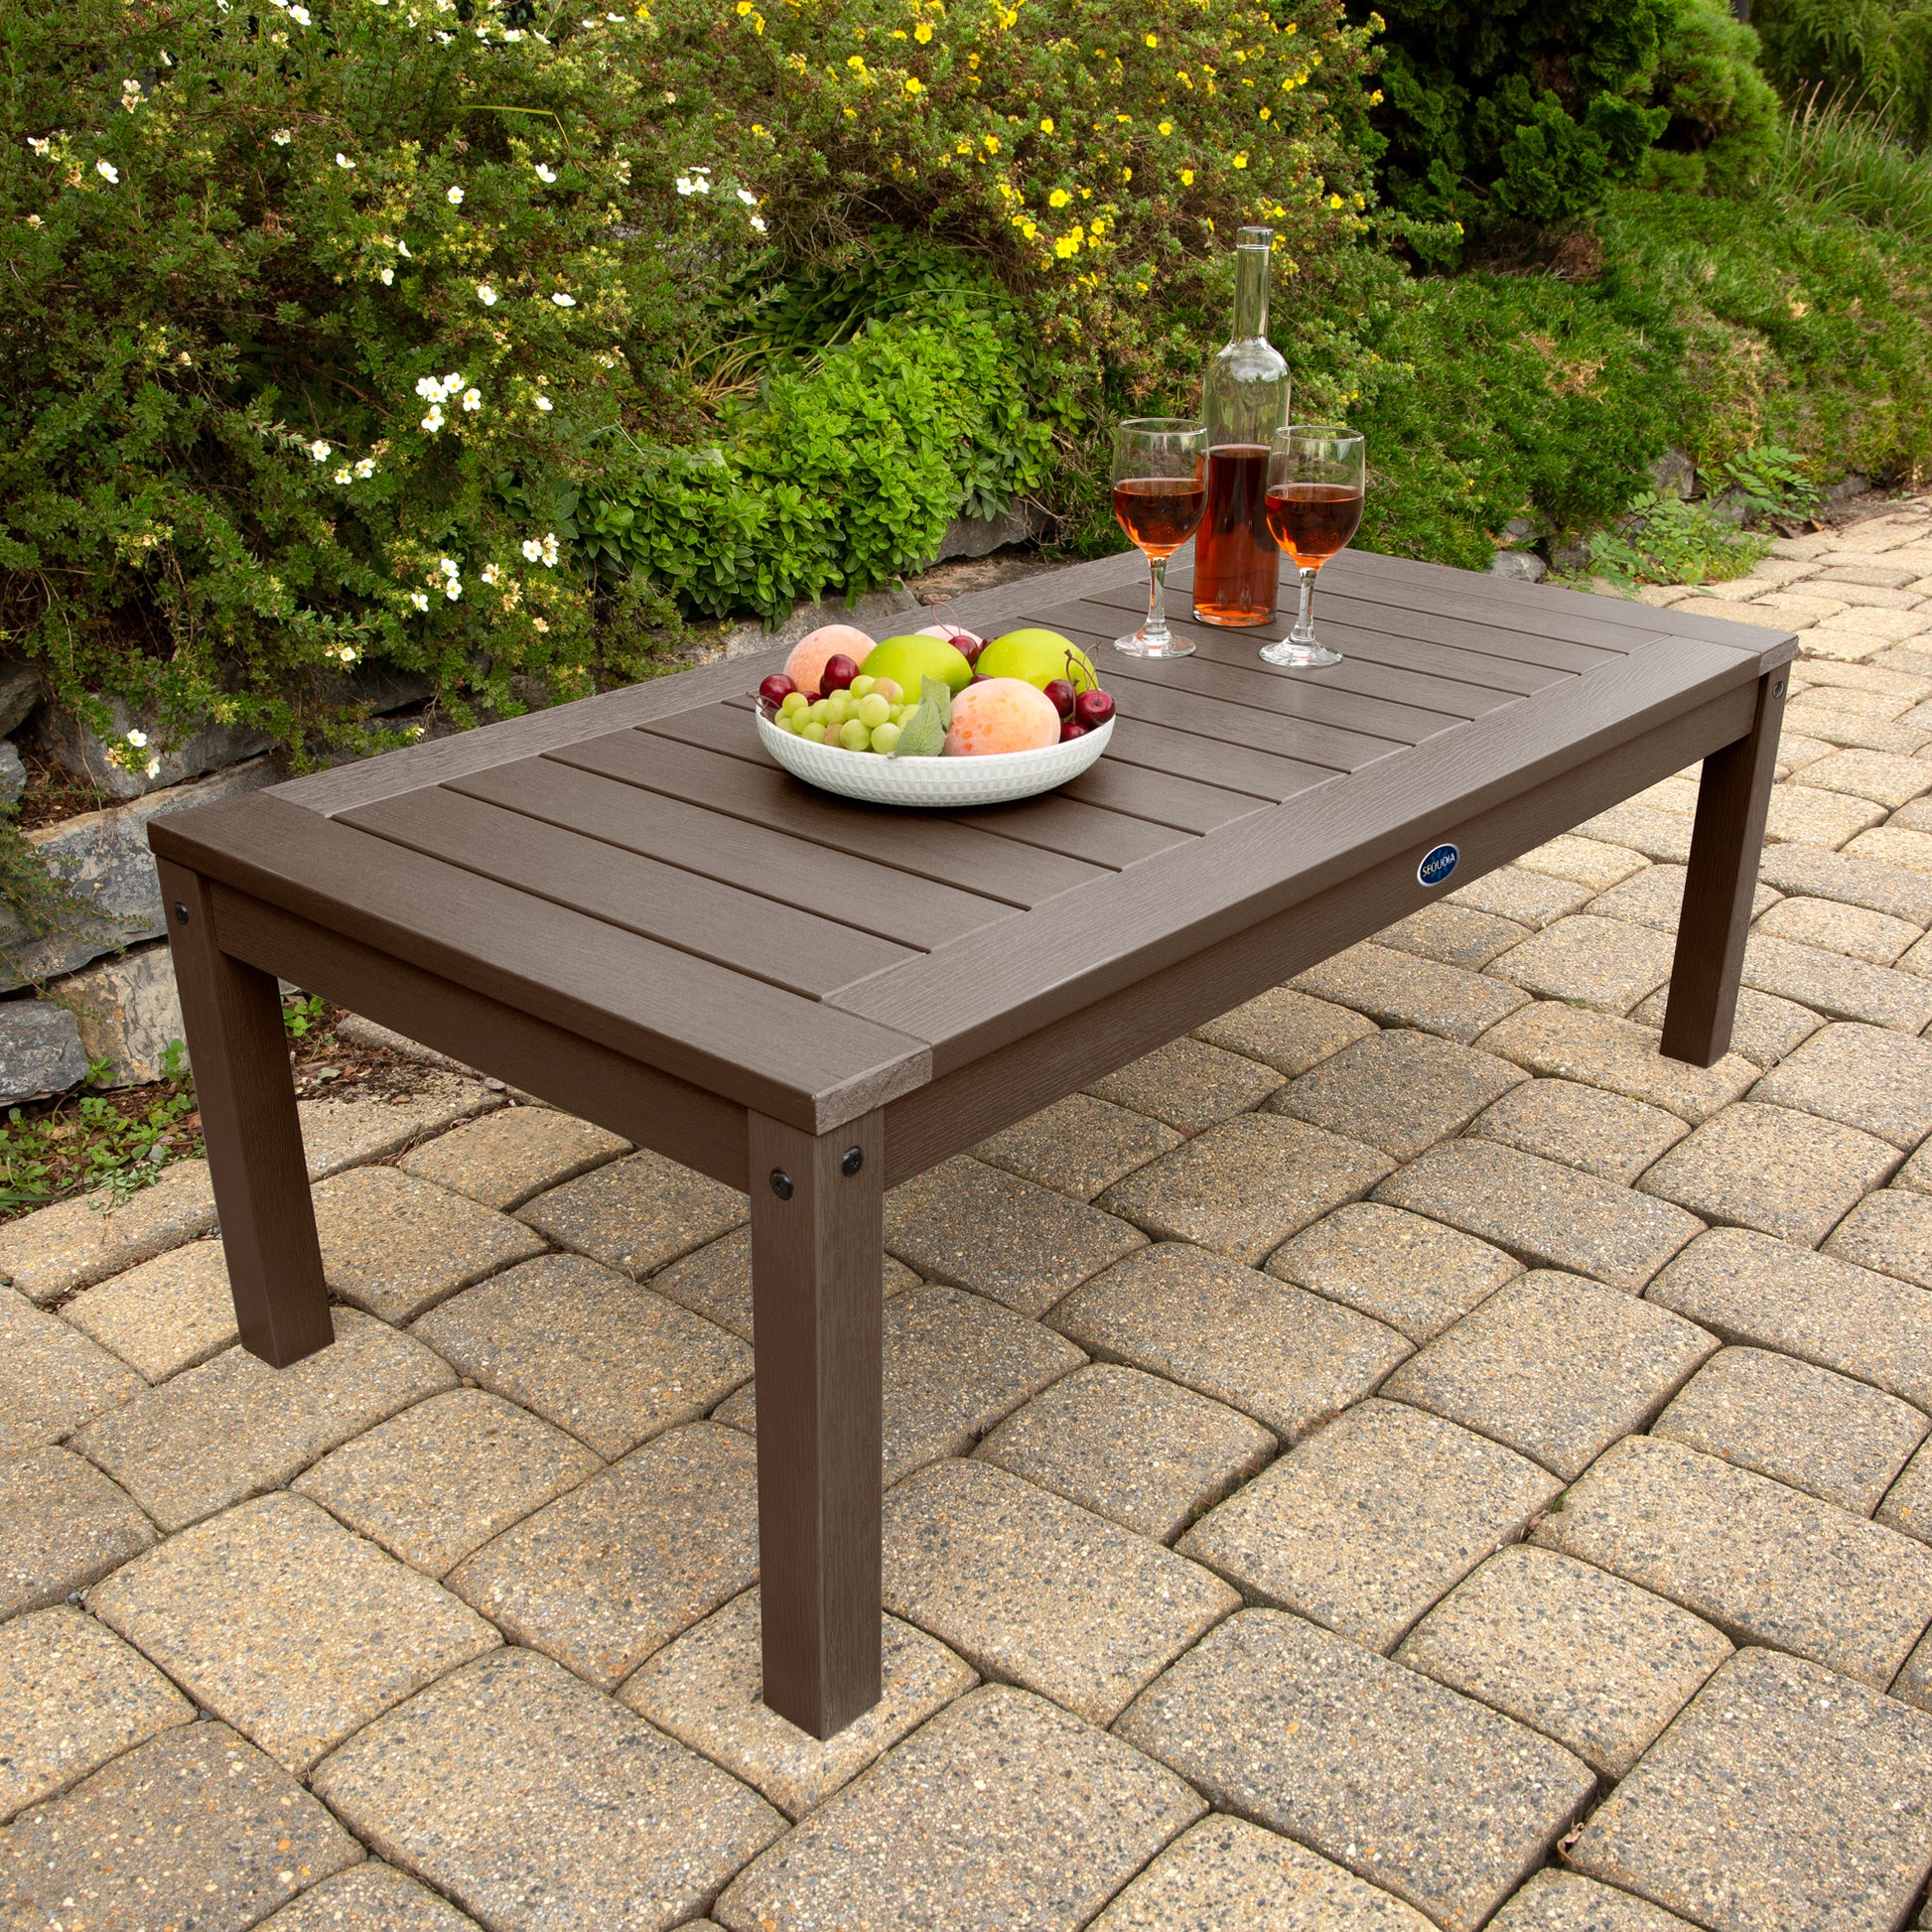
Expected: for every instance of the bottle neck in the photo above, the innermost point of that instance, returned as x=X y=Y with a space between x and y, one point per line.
x=1251 y=294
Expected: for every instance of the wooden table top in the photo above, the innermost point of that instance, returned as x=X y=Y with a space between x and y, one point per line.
x=634 y=869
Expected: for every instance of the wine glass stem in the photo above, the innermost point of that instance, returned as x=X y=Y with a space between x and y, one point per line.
x=1155 y=628
x=1303 y=631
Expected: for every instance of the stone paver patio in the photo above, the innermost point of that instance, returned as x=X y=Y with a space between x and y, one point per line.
x=1409 y=1455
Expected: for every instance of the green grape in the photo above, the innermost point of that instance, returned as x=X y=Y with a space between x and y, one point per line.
x=861 y=686
x=819 y=711
x=841 y=708
x=873 y=711
x=794 y=701
x=815 y=732
x=784 y=722
x=854 y=735
x=884 y=738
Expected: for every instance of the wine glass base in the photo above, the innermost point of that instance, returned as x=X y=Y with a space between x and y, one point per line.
x=1300 y=658
x=1138 y=645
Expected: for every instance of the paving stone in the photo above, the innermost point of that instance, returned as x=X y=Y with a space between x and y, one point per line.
x=62 y=1525
x=1034 y=1591
x=639 y=1213
x=1078 y=1145
x=1002 y=1810
x=1853 y=643
x=534 y=1802
x=1243 y=1187
x=1609 y=964
x=288 y=1627
x=715 y=1281
x=1131 y=1446
x=1584 y=1658
x=589 y=1350
x=1286 y=1029
x=1450 y=1809
x=1865 y=576
x=195 y=1829
x=343 y=1130
x=442 y=1478
x=1189 y=1084
x=1860 y=1076
x=1883 y=777
x=1555 y=1367
x=1764 y=1028
x=1817 y=1431
x=1917 y=1171
x=234 y=1427
x=705 y=1689
x=1604 y=1134
x=1414 y=1274
x=1875 y=628
x=1918 y=959
x=1904 y=893
x=165 y=1316
x=1563 y=1902
x=1285 y=1357
x=1396 y=989
x=1364 y=1525
x=1885 y=844
x=511 y=1154
x=1547 y=1215
x=1838 y=987
x=1752 y=1290
x=71 y=1696
x=1678 y=793
x=1796 y=751
x=981 y=1228
x=1531 y=899
x=1457 y=935
x=1602 y=1050
x=52 y=1379
x=1854 y=930
x=1907 y=1504
x=626 y=1561
x=1765 y=1563
x=369 y=1898
x=1890 y=1231
x=1655 y=897
x=1772 y=1168
x=1400 y=1091
x=75 y=1243
x=1225 y=1872
x=1595 y=862
x=396 y=1245
x=1805 y=815
x=1783 y=1797
x=1631 y=831
x=1837 y=727
x=954 y=1365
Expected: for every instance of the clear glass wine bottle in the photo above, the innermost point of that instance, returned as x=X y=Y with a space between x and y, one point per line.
x=1244 y=401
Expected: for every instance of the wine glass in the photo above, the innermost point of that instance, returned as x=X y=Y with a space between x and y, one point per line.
x=1314 y=505
x=1160 y=488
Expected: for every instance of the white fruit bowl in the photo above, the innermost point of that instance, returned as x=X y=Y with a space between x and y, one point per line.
x=934 y=782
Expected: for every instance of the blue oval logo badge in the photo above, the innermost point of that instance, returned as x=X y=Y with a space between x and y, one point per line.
x=1438 y=864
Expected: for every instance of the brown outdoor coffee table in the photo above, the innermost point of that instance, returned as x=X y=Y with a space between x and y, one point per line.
x=623 y=907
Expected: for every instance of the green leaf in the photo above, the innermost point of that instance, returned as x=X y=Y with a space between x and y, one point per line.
x=924 y=734
x=937 y=692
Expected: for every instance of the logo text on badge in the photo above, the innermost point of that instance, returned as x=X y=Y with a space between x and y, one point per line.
x=1438 y=864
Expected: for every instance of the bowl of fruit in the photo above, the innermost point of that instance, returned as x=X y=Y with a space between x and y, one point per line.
x=937 y=717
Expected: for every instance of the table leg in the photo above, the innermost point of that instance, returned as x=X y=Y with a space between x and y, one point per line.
x=1732 y=799
x=817 y=1224
x=238 y=1050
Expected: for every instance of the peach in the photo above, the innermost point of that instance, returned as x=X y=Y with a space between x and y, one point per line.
x=807 y=664
x=1002 y=713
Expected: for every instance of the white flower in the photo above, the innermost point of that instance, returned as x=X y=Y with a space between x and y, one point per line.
x=403 y=248
x=614 y=18
x=757 y=222
x=563 y=301
x=545 y=174
x=491 y=574
x=365 y=469
x=545 y=404
x=131 y=95
x=453 y=590
x=746 y=195
x=550 y=550
x=342 y=160
x=532 y=551
x=486 y=295
x=434 y=420
x=343 y=475
x=454 y=196
x=319 y=450
x=282 y=136
x=419 y=600
x=514 y=35
x=692 y=184
x=590 y=21
x=34 y=221
x=38 y=147
x=472 y=400
x=151 y=769
x=388 y=276
x=451 y=384
x=300 y=15
x=348 y=654
x=428 y=388
x=137 y=738
x=107 y=171
x=448 y=567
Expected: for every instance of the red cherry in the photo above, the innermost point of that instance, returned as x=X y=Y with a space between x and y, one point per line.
x=1061 y=693
x=979 y=677
x=1093 y=709
x=1071 y=730
x=967 y=645
x=775 y=689
x=839 y=671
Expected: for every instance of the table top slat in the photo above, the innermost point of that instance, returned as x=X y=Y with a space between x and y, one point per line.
x=1211 y=761
x=783 y=945
x=1159 y=797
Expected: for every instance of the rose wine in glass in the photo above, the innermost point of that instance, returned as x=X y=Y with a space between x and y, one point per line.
x=1314 y=505
x=1160 y=485
x=1244 y=401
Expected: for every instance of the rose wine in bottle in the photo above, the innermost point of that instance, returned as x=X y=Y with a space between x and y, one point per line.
x=1244 y=400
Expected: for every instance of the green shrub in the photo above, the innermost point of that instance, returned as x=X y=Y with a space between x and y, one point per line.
x=1841 y=162
x=1875 y=54
x=1669 y=541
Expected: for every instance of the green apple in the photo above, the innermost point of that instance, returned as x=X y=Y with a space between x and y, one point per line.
x=906 y=660
x=1039 y=657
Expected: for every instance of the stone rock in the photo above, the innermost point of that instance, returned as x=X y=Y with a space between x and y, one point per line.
x=75 y=748
x=19 y=692
x=1519 y=566
x=1674 y=472
x=103 y=861
x=979 y=536
x=128 y=1014
x=40 y=1053
x=875 y=613
x=13 y=772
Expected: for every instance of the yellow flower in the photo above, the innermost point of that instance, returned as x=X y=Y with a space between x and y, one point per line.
x=1375 y=100
x=1058 y=198
x=852 y=113
x=922 y=32
x=1068 y=244
x=1187 y=177
x=744 y=7
x=991 y=143
x=1153 y=40
x=1046 y=124
x=1335 y=200
x=1167 y=127
x=972 y=60
x=1266 y=115
x=1240 y=160
x=1030 y=230
x=913 y=84
x=1290 y=28
x=1127 y=174
x=899 y=33
x=856 y=62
